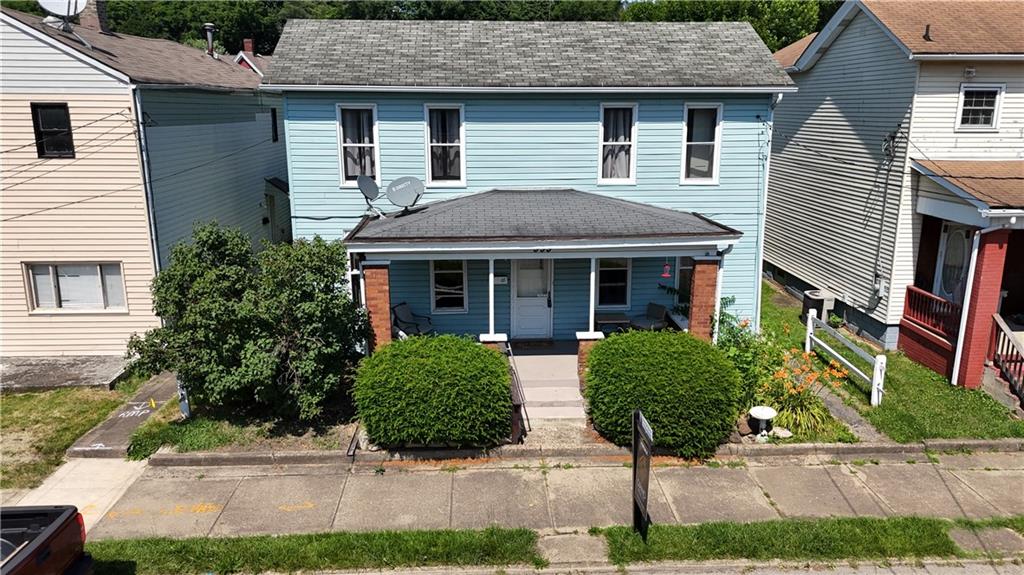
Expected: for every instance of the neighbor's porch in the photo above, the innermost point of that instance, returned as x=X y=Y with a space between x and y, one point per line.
x=966 y=305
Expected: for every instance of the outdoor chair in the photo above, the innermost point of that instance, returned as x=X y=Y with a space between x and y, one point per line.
x=654 y=319
x=410 y=323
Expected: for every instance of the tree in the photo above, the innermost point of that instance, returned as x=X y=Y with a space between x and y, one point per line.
x=273 y=333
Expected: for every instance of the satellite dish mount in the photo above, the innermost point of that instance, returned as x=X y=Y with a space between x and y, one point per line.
x=404 y=192
x=371 y=192
x=65 y=10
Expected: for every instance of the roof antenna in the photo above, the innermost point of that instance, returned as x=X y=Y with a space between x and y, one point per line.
x=61 y=12
x=928 y=32
x=371 y=191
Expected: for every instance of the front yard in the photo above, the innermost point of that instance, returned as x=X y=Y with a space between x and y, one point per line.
x=918 y=403
x=37 y=428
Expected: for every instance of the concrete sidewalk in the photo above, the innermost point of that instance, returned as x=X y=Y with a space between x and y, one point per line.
x=550 y=496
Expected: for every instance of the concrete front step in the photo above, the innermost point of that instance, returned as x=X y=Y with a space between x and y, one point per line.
x=555 y=412
x=552 y=394
x=553 y=382
x=530 y=404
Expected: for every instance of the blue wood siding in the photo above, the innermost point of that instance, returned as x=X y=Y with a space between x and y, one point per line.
x=540 y=141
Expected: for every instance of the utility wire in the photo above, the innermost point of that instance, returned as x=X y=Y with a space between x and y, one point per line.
x=161 y=178
x=78 y=148
x=73 y=128
x=78 y=158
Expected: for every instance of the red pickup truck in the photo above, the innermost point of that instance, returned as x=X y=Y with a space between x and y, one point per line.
x=43 y=540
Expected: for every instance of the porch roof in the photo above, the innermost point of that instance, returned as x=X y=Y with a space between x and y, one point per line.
x=503 y=215
x=998 y=184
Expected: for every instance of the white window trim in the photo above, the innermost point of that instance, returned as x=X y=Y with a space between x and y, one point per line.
x=1000 y=90
x=629 y=286
x=35 y=309
x=465 y=290
x=341 y=139
x=716 y=162
x=461 y=182
x=631 y=180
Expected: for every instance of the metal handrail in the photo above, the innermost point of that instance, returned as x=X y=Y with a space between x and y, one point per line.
x=518 y=384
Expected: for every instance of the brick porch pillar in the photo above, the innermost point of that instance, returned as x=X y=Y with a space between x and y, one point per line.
x=376 y=279
x=703 y=292
x=988 y=279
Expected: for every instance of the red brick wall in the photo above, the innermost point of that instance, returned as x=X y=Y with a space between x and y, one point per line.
x=378 y=303
x=702 y=297
x=988 y=276
x=927 y=348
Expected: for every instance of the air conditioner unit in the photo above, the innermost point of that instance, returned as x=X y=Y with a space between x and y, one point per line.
x=821 y=301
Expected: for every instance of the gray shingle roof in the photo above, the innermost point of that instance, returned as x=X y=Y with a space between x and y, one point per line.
x=535 y=215
x=488 y=54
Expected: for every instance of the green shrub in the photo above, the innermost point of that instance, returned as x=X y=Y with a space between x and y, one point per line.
x=757 y=356
x=686 y=388
x=434 y=390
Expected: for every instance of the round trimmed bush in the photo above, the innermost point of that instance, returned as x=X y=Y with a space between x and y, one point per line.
x=686 y=388
x=433 y=390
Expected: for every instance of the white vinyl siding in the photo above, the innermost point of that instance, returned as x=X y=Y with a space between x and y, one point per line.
x=830 y=213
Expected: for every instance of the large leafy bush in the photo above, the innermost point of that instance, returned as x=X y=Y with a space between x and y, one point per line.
x=757 y=356
x=686 y=388
x=429 y=390
x=268 y=333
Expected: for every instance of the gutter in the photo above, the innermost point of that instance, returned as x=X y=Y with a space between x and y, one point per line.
x=967 y=301
x=270 y=87
x=970 y=57
x=146 y=176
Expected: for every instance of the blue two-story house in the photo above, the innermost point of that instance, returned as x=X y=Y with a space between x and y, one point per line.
x=572 y=170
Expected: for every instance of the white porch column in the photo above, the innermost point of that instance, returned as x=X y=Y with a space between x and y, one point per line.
x=593 y=291
x=490 y=296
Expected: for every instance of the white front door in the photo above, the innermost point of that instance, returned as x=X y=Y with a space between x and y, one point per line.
x=953 y=260
x=531 y=299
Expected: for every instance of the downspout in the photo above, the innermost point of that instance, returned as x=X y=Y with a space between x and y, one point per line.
x=975 y=244
x=146 y=176
x=776 y=99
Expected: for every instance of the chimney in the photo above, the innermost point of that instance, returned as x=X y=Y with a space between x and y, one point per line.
x=94 y=16
x=209 y=29
x=247 y=45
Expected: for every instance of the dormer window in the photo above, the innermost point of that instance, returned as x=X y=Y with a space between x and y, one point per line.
x=979 y=107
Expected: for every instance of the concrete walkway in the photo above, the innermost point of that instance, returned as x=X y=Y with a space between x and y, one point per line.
x=550 y=381
x=92 y=485
x=112 y=436
x=552 y=495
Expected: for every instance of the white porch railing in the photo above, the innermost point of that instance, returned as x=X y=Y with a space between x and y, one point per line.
x=877 y=378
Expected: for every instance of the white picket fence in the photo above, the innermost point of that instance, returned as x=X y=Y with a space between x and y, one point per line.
x=877 y=378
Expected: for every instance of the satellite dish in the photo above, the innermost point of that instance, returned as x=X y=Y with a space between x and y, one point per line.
x=368 y=186
x=405 y=191
x=63 y=8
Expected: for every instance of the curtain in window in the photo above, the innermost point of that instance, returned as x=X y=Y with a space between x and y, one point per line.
x=445 y=160
x=357 y=145
x=615 y=158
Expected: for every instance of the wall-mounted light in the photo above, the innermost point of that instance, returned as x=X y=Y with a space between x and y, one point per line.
x=970 y=72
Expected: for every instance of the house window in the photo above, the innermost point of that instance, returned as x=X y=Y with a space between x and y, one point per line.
x=445 y=144
x=448 y=285
x=613 y=282
x=273 y=125
x=359 y=153
x=618 y=144
x=52 y=126
x=979 y=106
x=702 y=140
x=76 y=286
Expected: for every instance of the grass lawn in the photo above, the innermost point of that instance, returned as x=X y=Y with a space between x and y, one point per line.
x=324 y=551
x=858 y=538
x=210 y=433
x=37 y=428
x=918 y=403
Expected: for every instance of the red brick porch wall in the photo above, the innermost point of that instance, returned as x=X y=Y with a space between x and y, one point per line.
x=988 y=277
x=377 y=281
x=702 y=297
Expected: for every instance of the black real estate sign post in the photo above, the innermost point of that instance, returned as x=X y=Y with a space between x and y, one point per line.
x=643 y=445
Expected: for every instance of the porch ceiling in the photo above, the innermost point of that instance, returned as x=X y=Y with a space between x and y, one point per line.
x=533 y=217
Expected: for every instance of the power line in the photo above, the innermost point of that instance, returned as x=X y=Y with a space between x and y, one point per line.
x=78 y=147
x=161 y=178
x=76 y=160
x=73 y=128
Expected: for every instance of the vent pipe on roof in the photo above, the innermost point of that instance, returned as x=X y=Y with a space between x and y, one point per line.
x=210 y=29
x=928 y=32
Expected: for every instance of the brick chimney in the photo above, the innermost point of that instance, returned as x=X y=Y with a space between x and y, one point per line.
x=94 y=16
x=247 y=45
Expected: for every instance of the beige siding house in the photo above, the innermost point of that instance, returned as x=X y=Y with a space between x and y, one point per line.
x=106 y=161
x=898 y=178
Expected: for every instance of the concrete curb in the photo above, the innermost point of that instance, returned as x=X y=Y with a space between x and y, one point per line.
x=374 y=458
